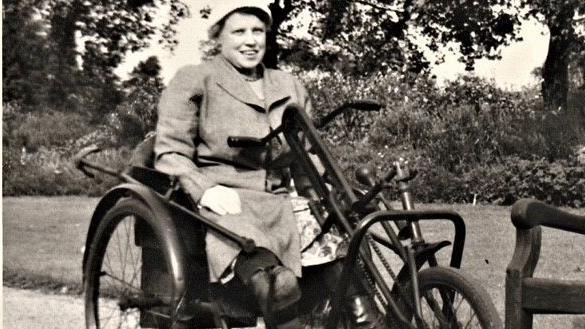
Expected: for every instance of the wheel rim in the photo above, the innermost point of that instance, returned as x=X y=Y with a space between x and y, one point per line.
x=443 y=307
x=118 y=297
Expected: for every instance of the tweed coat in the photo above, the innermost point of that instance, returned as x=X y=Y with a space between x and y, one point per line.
x=199 y=109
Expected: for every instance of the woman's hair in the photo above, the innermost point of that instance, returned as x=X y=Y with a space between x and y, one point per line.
x=216 y=29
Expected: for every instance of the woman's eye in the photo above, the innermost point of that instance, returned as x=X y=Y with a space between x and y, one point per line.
x=259 y=30
x=238 y=31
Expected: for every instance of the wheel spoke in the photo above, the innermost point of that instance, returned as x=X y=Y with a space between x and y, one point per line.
x=436 y=309
x=473 y=316
x=459 y=305
x=127 y=235
x=450 y=300
x=448 y=296
x=107 y=318
x=123 y=266
x=115 y=295
x=124 y=283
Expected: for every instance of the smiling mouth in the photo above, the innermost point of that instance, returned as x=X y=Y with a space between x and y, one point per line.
x=249 y=53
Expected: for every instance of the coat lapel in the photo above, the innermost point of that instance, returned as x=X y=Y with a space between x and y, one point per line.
x=232 y=82
x=274 y=90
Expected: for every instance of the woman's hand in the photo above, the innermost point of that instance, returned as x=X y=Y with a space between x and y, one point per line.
x=221 y=200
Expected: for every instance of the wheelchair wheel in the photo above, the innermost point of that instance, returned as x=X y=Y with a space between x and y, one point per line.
x=117 y=292
x=450 y=299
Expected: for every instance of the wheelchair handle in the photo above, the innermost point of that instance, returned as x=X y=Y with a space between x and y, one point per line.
x=82 y=164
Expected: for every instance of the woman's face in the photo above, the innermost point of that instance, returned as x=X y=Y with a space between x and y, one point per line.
x=243 y=40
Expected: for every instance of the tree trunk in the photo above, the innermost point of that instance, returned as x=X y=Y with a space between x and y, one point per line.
x=272 y=51
x=279 y=15
x=64 y=63
x=555 y=74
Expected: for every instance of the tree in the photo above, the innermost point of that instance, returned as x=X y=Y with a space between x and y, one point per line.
x=369 y=35
x=137 y=114
x=143 y=89
x=363 y=36
x=24 y=76
x=566 y=44
x=577 y=72
x=99 y=34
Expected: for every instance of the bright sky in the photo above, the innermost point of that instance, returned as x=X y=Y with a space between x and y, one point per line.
x=513 y=71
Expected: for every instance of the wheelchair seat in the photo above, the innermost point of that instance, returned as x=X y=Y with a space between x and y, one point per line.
x=230 y=300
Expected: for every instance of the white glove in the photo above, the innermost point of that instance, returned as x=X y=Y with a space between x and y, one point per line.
x=221 y=200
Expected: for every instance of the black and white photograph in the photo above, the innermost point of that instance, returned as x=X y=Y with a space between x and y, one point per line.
x=293 y=164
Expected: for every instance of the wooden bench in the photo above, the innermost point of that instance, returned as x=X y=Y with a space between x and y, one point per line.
x=526 y=295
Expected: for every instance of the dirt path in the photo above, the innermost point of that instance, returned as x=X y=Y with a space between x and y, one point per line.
x=27 y=309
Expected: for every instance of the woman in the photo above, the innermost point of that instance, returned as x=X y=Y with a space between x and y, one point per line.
x=235 y=95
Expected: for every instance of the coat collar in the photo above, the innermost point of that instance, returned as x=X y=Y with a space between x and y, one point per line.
x=230 y=80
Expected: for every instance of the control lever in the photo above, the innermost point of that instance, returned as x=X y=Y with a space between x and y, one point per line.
x=241 y=141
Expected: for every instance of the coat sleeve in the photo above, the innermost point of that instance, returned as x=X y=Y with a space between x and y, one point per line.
x=177 y=129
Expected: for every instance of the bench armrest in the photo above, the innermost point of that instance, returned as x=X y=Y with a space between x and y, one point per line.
x=528 y=213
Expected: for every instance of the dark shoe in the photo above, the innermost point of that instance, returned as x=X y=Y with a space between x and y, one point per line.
x=364 y=314
x=284 y=293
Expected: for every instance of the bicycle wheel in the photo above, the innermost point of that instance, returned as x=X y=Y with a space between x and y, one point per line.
x=451 y=300
x=118 y=293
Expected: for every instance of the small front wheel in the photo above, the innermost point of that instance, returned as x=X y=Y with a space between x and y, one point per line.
x=451 y=300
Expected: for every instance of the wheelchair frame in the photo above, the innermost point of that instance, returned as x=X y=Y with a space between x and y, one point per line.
x=348 y=211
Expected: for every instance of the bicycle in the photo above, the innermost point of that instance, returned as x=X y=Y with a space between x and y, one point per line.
x=149 y=221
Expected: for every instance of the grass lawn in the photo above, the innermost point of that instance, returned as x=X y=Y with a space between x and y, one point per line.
x=43 y=240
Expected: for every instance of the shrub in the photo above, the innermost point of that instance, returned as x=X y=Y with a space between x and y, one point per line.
x=49 y=172
x=468 y=122
x=468 y=138
x=559 y=182
x=38 y=147
x=46 y=129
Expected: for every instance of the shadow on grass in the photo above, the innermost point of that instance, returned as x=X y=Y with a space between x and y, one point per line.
x=43 y=282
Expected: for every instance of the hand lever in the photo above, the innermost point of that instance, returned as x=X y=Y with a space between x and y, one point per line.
x=241 y=141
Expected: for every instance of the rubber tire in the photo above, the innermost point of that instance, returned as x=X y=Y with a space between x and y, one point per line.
x=107 y=227
x=457 y=281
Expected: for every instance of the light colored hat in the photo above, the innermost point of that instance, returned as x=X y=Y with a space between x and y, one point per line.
x=220 y=9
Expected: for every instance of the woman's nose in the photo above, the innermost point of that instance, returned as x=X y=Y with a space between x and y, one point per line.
x=250 y=38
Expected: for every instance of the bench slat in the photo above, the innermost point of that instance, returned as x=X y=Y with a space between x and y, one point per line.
x=546 y=296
